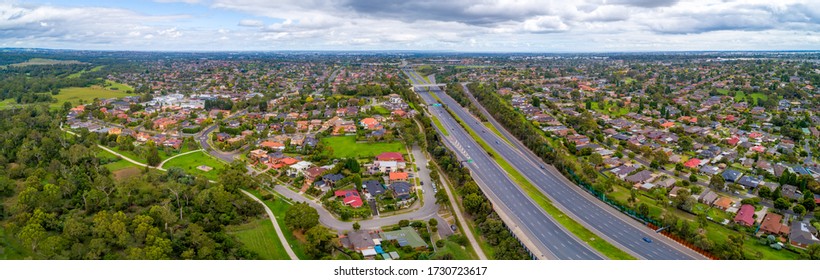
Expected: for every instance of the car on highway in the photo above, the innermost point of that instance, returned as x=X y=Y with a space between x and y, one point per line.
x=647 y=240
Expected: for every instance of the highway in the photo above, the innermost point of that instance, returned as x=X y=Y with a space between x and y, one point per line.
x=608 y=223
x=544 y=237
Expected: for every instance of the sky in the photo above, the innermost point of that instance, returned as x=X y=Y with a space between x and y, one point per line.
x=438 y=25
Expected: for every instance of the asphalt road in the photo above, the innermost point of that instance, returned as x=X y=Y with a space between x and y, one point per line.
x=594 y=214
x=202 y=137
x=549 y=238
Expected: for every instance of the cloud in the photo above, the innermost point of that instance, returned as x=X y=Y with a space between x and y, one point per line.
x=644 y=3
x=251 y=23
x=513 y=25
x=178 y=1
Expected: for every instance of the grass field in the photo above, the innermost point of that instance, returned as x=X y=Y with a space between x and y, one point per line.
x=381 y=110
x=191 y=161
x=44 y=61
x=112 y=85
x=77 y=75
x=609 y=110
x=459 y=253
x=347 y=147
x=584 y=234
x=260 y=237
x=75 y=94
x=279 y=207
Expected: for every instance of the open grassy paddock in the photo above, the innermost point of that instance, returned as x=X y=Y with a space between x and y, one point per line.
x=260 y=237
x=347 y=147
x=191 y=161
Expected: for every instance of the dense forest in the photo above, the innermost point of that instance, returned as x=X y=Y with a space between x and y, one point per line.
x=58 y=202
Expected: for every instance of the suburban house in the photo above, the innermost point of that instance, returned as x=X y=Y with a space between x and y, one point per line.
x=622 y=171
x=398 y=177
x=790 y=192
x=360 y=240
x=708 y=197
x=388 y=166
x=745 y=216
x=350 y=197
x=311 y=174
x=275 y=146
x=401 y=190
x=331 y=179
x=723 y=203
x=802 y=235
x=731 y=175
x=390 y=156
x=640 y=177
x=373 y=187
x=298 y=168
x=406 y=236
x=771 y=225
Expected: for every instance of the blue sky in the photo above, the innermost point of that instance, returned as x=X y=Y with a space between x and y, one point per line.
x=479 y=25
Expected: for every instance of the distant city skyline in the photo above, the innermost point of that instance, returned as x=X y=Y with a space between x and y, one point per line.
x=462 y=26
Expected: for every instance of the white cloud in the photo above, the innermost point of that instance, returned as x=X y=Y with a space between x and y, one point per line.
x=251 y=23
x=511 y=25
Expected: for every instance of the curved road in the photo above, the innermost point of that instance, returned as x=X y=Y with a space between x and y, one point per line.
x=427 y=211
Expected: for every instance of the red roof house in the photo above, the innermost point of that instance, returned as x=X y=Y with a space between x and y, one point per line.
x=733 y=141
x=390 y=156
x=692 y=163
x=745 y=216
x=350 y=197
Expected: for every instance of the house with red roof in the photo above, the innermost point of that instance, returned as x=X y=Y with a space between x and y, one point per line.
x=350 y=197
x=745 y=216
x=667 y=124
x=758 y=149
x=733 y=141
x=390 y=156
x=369 y=123
x=398 y=176
x=273 y=145
x=692 y=163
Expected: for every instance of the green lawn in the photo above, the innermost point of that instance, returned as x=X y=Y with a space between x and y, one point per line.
x=753 y=250
x=594 y=241
x=347 y=147
x=381 y=110
x=740 y=95
x=191 y=161
x=279 y=207
x=87 y=94
x=260 y=237
x=459 y=253
x=77 y=75
x=114 y=166
x=609 y=110
x=112 y=85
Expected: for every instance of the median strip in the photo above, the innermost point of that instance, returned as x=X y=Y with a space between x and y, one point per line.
x=584 y=234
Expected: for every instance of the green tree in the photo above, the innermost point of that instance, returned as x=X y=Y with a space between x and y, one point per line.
x=301 y=217
x=356 y=226
x=782 y=203
x=799 y=210
x=717 y=182
x=693 y=178
x=813 y=251
x=596 y=159
x=153 y=156
x=320 y=242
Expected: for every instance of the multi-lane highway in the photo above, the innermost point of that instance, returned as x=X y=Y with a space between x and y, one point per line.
x=614 y=226
x=538 y=230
